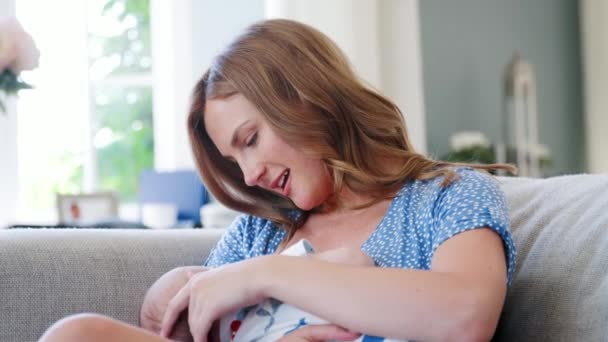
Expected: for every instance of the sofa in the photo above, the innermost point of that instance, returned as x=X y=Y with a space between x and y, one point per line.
x=559 y=291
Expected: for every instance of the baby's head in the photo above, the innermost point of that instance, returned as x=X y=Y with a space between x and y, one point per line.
x=156 y=300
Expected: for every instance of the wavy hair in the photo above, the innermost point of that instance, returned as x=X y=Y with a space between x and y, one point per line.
x=306 y=89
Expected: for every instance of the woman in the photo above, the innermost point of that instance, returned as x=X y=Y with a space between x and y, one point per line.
x=282 y=129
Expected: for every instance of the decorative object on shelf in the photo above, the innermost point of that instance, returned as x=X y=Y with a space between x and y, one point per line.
x=475 y=147
x=18 y=52
x=159 y=215
x=216 y=215
x=520 y=118
x=183 y=188
x=470 y=147
x=89 y=208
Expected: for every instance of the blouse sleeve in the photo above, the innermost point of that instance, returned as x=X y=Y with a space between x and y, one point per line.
x=229 y=248
x=474 y=200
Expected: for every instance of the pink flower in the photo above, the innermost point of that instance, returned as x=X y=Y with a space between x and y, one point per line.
x=8 y=51
x=18 y=51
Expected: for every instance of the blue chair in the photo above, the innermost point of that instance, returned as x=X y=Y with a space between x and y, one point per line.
x=183 y=188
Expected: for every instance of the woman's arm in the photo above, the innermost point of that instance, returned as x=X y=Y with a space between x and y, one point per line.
x=460 y=299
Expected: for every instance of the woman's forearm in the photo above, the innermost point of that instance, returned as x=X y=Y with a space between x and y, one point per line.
x=397 y=303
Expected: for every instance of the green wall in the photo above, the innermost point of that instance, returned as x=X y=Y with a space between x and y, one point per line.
x=466 y=45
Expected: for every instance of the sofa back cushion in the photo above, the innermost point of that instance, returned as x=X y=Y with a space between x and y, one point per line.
x=560 y=288
x=47 y=274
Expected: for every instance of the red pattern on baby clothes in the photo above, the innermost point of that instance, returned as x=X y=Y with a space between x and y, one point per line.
x=234 y=327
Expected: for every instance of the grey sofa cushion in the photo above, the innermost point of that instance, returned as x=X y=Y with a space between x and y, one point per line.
x=47 y=274
x=560 y=288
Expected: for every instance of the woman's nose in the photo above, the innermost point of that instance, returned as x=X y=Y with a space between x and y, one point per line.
x=253 y=174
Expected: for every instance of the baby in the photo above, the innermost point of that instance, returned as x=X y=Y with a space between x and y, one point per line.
x=264 y=322
x=272 y=319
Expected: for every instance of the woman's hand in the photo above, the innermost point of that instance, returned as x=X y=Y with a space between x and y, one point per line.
x=211 y=294
x=318 y=333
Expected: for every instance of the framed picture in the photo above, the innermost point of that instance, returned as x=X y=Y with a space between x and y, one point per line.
x=88 y=208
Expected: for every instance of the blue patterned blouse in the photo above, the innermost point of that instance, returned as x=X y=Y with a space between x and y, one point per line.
x=419 y=219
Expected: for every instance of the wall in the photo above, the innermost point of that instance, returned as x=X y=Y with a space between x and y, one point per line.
x=8 y=147
x=465 y=46
x=594 y=28
x=401 y=64
x=216 y=23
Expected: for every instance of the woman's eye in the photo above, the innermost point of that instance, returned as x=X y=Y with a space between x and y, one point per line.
x=252 y=140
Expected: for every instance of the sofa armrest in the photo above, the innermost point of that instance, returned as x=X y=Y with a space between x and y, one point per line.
x=47 y=274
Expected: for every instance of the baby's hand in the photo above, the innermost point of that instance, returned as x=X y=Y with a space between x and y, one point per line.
x=344 y=255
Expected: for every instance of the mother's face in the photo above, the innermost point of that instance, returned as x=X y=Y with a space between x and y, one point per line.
x=242 y=134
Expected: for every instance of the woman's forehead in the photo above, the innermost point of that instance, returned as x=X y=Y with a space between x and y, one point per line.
x=229 y=110
x=222 y=117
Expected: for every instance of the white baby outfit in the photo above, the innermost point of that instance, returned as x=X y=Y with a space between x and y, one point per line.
x=272 y=319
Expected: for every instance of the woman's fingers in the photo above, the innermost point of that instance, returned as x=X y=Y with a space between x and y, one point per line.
x=175 y=307
x=317 y=333
x=200 y=330
x=199 y=318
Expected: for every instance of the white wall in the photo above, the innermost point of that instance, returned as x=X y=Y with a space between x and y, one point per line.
x=171 y=31
x=8 y=147
x=401 y=64
x=594 y=29
x=216 y=23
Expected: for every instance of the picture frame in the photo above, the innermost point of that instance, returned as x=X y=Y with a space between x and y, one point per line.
x=86 y=208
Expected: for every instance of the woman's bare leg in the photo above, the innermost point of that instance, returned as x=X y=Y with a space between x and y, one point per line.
x=94 y=328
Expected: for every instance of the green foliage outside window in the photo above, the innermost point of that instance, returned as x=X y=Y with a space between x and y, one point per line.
x=133 y=44
x=126 y=126
x=123 y=130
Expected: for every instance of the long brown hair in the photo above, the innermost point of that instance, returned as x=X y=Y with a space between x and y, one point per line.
x=305 y=87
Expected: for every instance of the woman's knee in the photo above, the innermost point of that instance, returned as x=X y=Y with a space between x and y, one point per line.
x=79 y=327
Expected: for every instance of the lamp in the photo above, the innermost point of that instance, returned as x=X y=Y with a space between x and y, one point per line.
x=520 y=117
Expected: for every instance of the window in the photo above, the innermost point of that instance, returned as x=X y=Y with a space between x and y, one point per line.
x=88 y=126
x=121 y=86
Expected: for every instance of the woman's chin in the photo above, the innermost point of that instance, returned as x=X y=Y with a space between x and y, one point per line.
x=306 y=204
x=303 y=207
